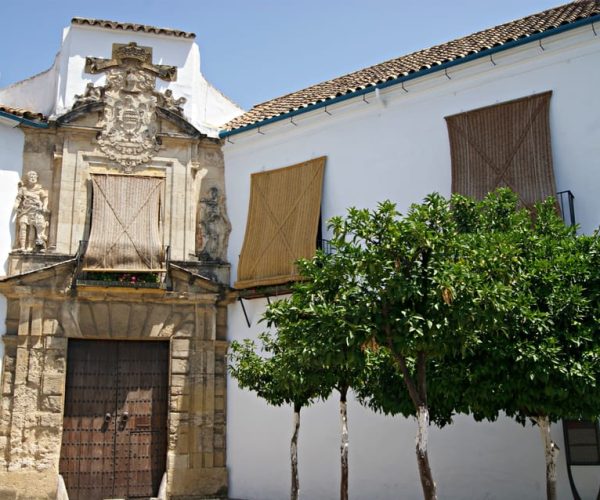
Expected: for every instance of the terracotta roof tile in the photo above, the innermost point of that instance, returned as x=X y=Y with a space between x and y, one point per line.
x=419 y=61
x=114 y=25
x=23 y=113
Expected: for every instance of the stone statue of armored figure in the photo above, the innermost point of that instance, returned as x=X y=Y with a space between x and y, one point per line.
x=213 y=227
x=31 y=207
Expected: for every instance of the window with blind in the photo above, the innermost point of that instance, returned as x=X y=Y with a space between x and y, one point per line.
x=282 y=224
x=505 y=145
x=125 y=233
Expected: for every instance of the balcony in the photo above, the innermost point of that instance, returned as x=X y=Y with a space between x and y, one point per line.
x=156 y=278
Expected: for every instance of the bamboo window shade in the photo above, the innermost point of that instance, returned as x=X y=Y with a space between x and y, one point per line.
x=505 y=145
x=282 y=225
x=125 y=224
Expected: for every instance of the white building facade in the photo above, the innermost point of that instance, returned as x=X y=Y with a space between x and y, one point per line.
x=391 y=141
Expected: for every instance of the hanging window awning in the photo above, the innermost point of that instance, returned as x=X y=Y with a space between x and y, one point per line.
x=282 y=223
x=124 y=232
x=505 y=145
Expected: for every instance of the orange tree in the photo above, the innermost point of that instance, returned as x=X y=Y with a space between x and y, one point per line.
x=542 y=361
x=429 y=288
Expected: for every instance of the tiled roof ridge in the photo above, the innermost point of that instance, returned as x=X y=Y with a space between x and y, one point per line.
x=23 y=113
x=144 y=28
x=420 y=60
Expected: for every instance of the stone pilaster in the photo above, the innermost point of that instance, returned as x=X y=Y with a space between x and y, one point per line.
x=196 y=461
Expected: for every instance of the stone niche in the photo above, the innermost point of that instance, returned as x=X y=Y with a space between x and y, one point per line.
x=127 y=128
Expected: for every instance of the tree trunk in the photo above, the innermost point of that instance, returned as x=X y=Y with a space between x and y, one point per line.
x=551 y=453
x=418 y=395
x=344 y=445
x=427 y=483
x=295 y=493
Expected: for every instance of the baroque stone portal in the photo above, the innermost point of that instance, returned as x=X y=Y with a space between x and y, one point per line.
x=31 y=207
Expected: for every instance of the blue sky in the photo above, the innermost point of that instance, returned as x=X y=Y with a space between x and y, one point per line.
x=255 y=50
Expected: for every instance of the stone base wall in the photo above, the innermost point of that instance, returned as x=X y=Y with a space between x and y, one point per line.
x=34 y=374
x=28 y=485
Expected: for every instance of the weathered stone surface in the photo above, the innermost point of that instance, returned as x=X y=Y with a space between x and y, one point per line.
x=180 y=348
x=21 y=485
x=58 y=343
x=179 y=366
x=53 y=384
x=51 y=403
x=185 y=483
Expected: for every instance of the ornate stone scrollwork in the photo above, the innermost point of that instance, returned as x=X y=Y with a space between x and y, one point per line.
x=32 y=211
x=91 y=94
x=129 y=123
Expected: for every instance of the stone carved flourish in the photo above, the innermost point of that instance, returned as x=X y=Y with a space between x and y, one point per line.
x=169 y=102
x=91 y=94
x=213 y=227
x=129 y=123
x=32 y=211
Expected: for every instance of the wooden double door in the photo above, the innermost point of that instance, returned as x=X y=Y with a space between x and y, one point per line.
x=114 y=442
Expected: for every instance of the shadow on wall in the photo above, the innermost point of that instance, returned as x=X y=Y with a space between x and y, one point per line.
x=11 y=169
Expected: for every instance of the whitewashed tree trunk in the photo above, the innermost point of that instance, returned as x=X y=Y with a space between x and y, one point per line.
x=551 y=451
x=429 y=491
x=344 y=447
x=295 y=493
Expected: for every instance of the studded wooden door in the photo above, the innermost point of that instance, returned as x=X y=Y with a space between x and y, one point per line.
x=115 y=421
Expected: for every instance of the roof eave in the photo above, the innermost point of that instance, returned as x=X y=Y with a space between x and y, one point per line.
x=417 y=74
x=23 y=121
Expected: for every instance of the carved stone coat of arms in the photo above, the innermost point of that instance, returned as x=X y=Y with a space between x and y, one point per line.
x=129 y=123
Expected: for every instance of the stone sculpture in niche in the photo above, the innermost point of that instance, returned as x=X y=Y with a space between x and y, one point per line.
x=129 y=122
x=213 y=227
x=32 y=211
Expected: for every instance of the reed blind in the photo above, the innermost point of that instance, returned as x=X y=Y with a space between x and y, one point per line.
x=282 y=223
x=125 y=224
x=505 y=145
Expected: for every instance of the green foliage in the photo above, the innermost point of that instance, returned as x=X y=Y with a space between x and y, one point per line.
x=277 y=375
x=382 y=388
x=500 y=309
x=321 y=320
x=543 y=357
x=427 y=291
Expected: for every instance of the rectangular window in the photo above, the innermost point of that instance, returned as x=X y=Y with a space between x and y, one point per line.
x=582 y=440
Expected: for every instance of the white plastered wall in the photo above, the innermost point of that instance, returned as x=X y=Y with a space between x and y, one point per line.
x=11 y=169
x=396 y=146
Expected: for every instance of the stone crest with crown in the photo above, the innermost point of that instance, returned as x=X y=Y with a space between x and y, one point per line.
x=129 y=123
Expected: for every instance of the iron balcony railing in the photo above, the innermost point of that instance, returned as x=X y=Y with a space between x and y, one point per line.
x=325 y=246
x=566 y=203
